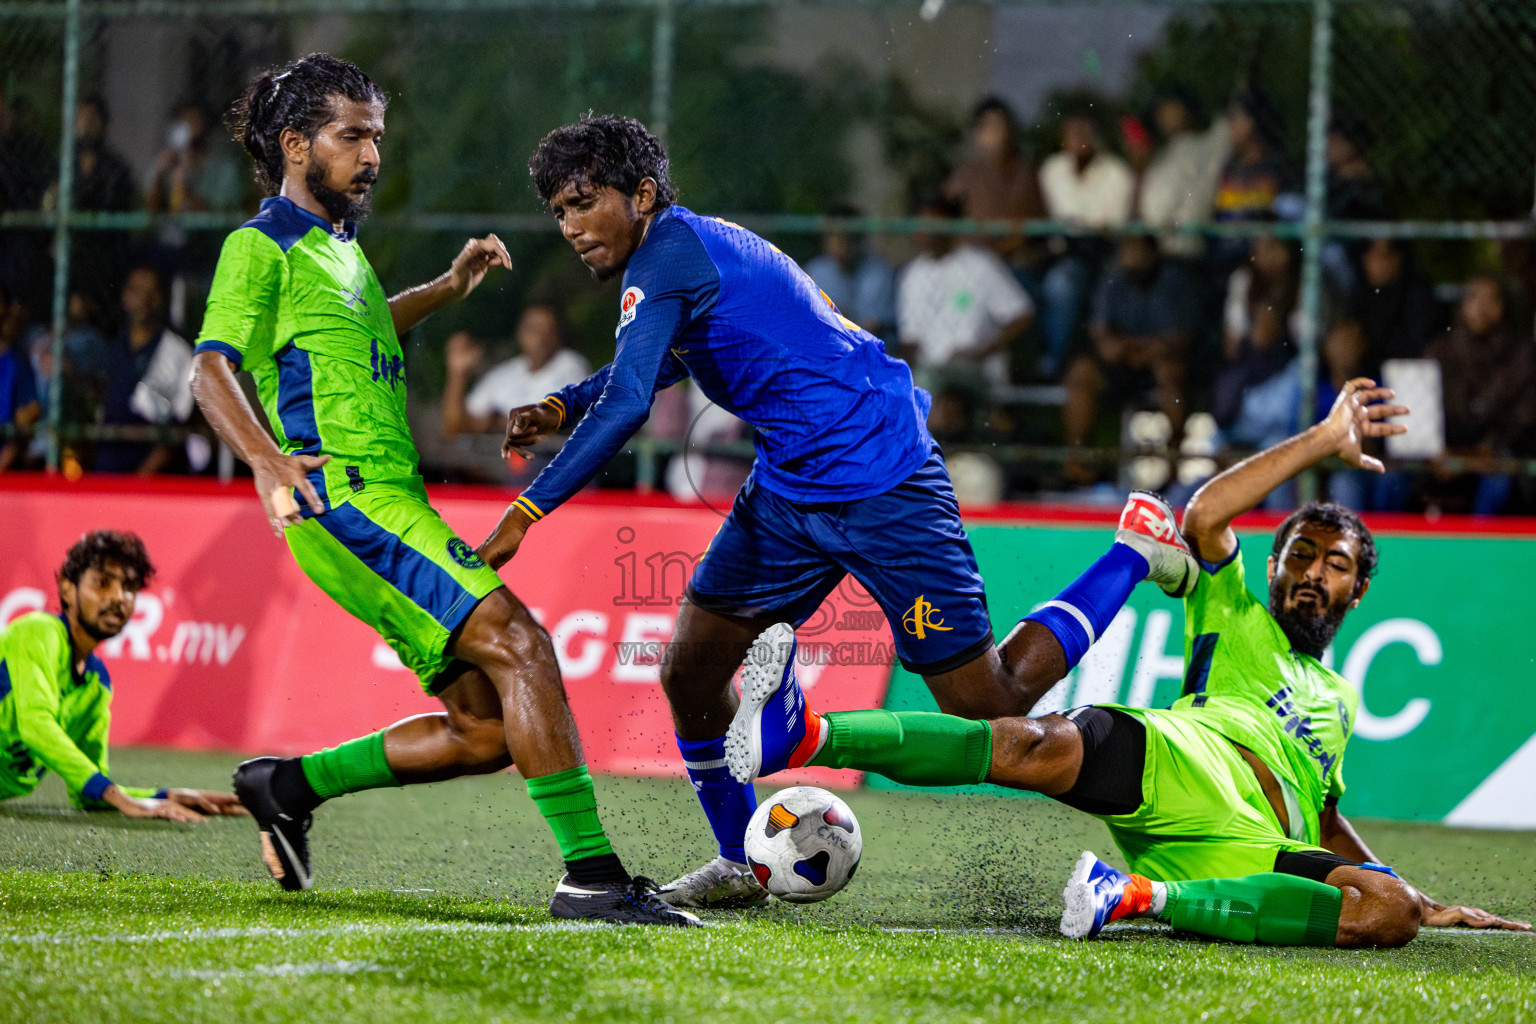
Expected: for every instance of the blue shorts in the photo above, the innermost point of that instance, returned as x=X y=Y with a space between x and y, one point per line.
x=776 y=558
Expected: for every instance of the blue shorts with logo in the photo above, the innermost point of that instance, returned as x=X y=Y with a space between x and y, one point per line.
x=776 y=558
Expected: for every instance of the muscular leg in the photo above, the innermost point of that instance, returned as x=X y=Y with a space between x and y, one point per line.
x=467 y=738
x=1009 y=680
x=706 y=650
x=515 y=656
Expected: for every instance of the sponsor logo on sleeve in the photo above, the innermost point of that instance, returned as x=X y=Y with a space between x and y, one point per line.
x=628 y=305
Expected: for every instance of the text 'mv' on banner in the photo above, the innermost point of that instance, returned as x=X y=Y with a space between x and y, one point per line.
x=1443 y=650
x=233 y=648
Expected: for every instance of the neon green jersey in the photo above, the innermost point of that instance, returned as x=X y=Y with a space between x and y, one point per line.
x=296 y=303
x=1255 y=690
x=52 y=716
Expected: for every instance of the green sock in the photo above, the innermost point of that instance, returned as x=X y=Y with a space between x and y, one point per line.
x=567 y=802
x=353 y=766
x=1281 y=910
x=915 y=748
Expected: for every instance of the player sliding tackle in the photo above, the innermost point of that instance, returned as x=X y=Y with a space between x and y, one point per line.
x=1226 y=804
x=847 y=479
x=295 y=302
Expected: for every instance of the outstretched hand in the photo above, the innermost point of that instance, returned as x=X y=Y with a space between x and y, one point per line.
x=1436 y=915
x=474 y=261
x=1360 y=412
x=209 y=801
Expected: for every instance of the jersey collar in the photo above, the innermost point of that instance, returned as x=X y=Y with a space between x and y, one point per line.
x=348 y=230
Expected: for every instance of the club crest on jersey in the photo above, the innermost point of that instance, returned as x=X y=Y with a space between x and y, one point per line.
x=628 y=305
x=464 y=554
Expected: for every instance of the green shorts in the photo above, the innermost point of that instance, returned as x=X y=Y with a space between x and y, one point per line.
x=388 y=558
x=1203 y=813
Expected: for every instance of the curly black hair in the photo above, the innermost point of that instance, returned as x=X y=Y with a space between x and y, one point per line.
x=96 y=549
x=1337 y=517
x=298 y=96
x=603 y=150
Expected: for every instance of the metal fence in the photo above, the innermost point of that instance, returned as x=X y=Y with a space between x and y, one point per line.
x=757 y=104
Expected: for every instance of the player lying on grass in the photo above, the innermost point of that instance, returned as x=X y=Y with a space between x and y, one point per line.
x=846 y=480
x=295 y=302
x=1226 y=804
x=56 y=696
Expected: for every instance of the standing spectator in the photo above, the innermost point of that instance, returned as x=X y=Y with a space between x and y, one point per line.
x=1354 y=193
x=19 y=407
x=1488 y=379
x=543 y=365
x=24 y=161
x=1086 y=188
x=103 y=183
x=148 y=380
x=1394 y=305
x=855 y=278
x=102 y=179
x=958 y=309
x=1142 y=323
x=1178 y=187
x=997 y=181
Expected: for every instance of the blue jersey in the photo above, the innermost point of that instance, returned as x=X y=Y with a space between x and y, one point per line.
x=837 y=419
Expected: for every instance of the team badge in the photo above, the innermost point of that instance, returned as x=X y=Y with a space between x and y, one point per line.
x=923 y=616
x=464 y=554
x=628 y=305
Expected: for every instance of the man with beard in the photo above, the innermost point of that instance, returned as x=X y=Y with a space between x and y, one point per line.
x=56 y=696
x=1225 y=805
x=295 y=302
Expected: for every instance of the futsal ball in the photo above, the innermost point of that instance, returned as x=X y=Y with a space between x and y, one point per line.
x=803 y=844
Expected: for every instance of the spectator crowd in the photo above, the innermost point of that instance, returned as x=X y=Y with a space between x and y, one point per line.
x=1107 y=320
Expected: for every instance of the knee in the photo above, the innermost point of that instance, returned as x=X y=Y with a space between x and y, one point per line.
x=1380 y=911
x=482 y=743
x=503 y=632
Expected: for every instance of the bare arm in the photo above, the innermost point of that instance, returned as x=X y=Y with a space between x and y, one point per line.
x=1208 y=516
x=470 y=266
x=218 y=394
x=464 y=356
x=1338 y=836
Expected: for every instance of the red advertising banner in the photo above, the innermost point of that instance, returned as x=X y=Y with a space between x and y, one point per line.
x=234 y=648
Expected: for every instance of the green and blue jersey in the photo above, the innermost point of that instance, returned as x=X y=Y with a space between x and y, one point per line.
x=295 y=302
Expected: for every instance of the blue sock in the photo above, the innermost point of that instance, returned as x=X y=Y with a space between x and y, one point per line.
x=1080 y=614
x=727 y=803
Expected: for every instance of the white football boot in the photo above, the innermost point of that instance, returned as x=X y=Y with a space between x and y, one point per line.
x=719 y=885
x=1148 y=527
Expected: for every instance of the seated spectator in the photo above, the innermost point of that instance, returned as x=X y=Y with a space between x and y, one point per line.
x=856 y=279
x=1178 y=187
x=1087 y=188
x=1488 y=380
x=1255 y=397
x=1255 y=174
x=958 y=309
x=997 y=181
x=1354 y=193
x=191 y=174
x=1141 y=326
x=1394 y=305
x=19 y=407
x=543 y=365
x=148 y=379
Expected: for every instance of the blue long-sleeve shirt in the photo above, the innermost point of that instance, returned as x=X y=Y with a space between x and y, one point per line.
x=837 y=419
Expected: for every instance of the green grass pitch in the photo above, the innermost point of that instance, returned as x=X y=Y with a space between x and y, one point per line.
x=431 y=903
